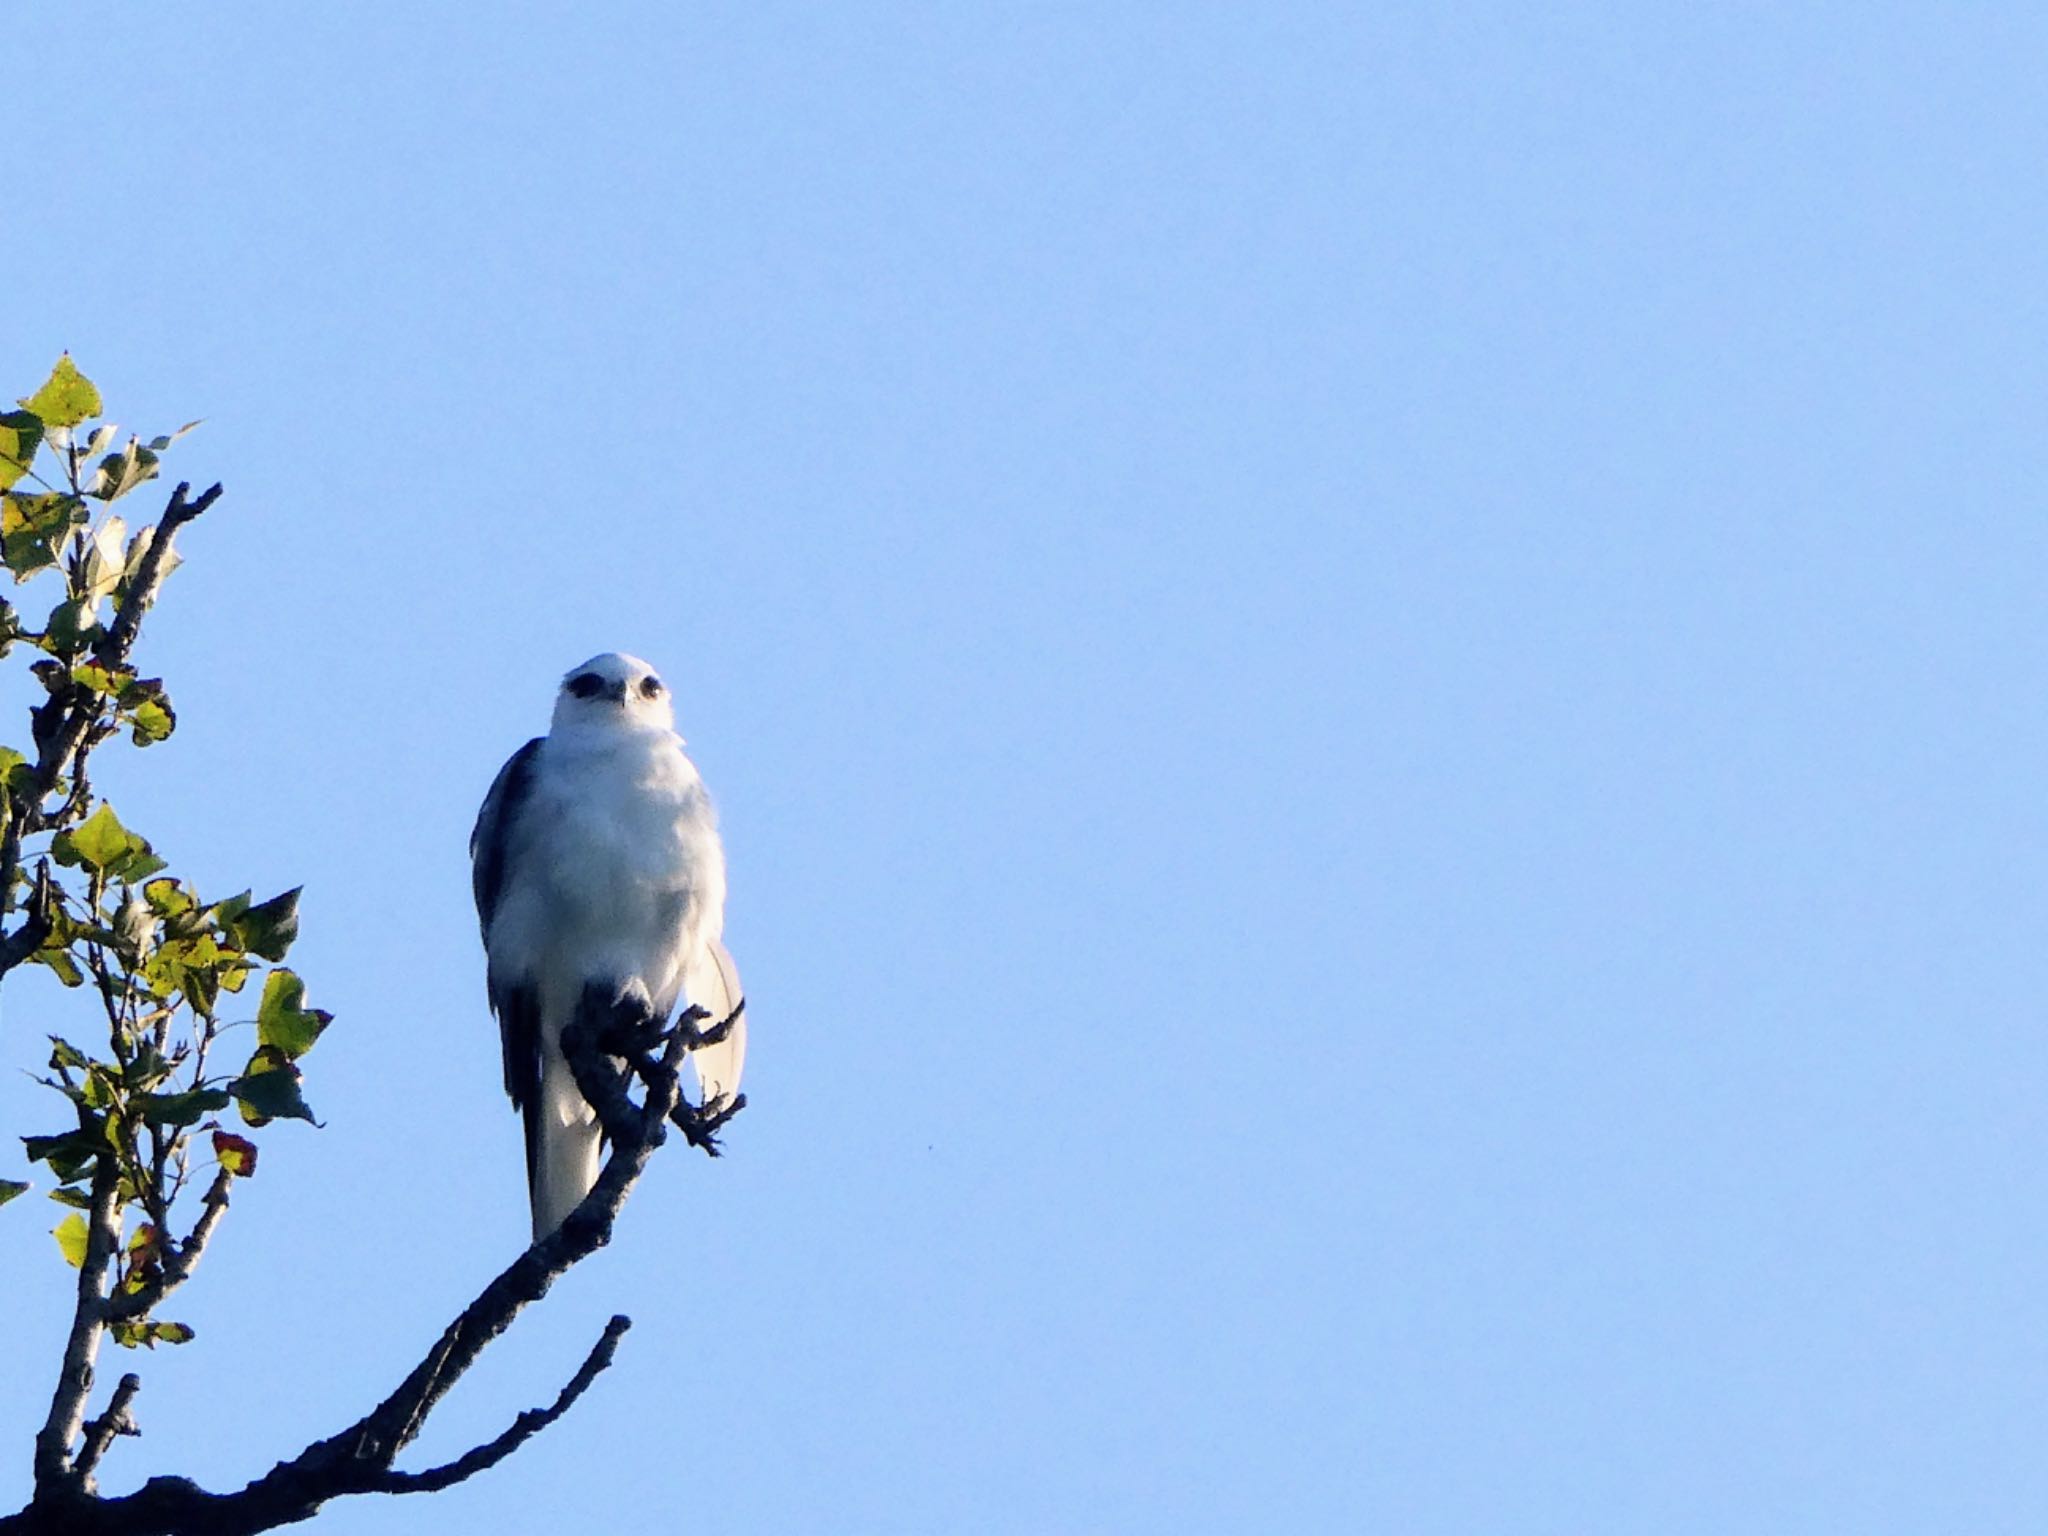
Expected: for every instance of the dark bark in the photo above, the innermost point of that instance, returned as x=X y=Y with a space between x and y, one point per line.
x=608 y=1052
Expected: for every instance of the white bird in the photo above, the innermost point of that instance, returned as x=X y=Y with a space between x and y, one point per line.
x=596 y=860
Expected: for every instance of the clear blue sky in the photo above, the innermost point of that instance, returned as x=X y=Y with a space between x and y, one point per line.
x=1376 y=679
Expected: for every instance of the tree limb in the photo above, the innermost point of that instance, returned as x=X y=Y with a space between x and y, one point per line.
x=54 y=1471
x=523 y=1428
x=113 y=647
x=179 y=1259
x=358 y=1459
x=100 y=1433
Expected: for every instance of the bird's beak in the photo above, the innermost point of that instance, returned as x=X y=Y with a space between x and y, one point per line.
x=617 y=694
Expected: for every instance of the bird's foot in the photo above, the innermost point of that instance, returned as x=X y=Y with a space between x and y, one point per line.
x=688 y=1020
x=701 y=1123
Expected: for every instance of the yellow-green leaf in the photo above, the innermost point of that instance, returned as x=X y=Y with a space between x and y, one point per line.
x=280 y=1020
x=70 y=1234
x=32 y=526
x=151 y=722
x=67 y=396
x=21 y=433
x=99 y=842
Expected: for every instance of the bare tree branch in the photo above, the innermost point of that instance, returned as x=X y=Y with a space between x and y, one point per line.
x=100 y=1433
x=523 y=1428
x=113 y=647
x=53 y=1466
x=608 y=1046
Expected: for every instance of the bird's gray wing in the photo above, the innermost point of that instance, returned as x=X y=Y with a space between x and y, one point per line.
x=714 y=985
x=489 y=840
x=517 y=1006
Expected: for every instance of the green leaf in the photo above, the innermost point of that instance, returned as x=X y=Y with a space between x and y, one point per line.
x=69 y=1155
x=21 y=434
x=181 y=1109
x=67 y=396
x=9 y=1188
x=72 y=1195
x=190 y=963
x=148 y=1068
x=280 y=1020
x=166 y=897
x=269 y=1090
x=201 y=986
x=130 y=1332
x=32 y=527
x=88 y=674
x=101 y=1090
x=119 y=473
x=71 y=623
x=268 y=929
x=99 y=842
x=139 y=865
x=71 y=1239
x=161 y=443
x=152 y=722
x=57 y=960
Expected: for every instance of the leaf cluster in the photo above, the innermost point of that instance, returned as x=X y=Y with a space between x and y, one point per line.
x=169 y=1083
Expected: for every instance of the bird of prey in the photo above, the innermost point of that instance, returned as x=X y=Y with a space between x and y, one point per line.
x=596 y=860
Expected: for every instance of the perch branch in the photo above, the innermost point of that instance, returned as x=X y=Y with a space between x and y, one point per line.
x=358 y=1459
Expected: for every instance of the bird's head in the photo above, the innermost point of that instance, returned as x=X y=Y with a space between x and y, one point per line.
x=613 y=692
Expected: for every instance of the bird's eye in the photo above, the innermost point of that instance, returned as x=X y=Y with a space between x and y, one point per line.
x=586 y=685
x=650 y=687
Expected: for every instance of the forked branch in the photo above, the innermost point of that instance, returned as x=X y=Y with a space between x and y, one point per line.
x=609 y=1049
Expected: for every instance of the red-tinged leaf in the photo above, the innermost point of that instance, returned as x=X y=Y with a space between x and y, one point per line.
x=237 y=1154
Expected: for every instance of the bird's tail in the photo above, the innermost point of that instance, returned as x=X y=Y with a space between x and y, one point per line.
x=562 y=1146
x=714 y=986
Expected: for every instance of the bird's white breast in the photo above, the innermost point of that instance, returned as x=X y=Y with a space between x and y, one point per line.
x=615 y=871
